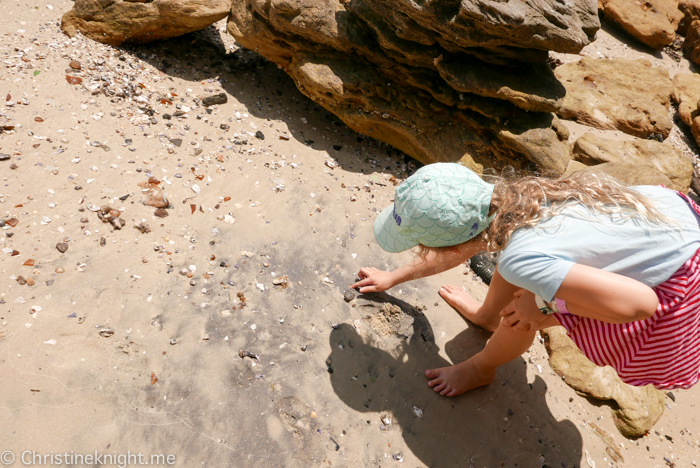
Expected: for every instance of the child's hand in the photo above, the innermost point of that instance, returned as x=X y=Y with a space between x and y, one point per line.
x=522 y=313
x=373 y=280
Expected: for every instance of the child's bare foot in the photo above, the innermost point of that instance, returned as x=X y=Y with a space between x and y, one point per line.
x=460 y=378
x=468 y=307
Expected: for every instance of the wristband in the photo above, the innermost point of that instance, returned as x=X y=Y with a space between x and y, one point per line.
x=546 y=308
x=561 y=306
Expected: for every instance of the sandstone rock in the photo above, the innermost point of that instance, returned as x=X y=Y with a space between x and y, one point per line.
x=139 y=21
x=465 y=83
x=686 y=93
x=617 y=94
x=635 y=162
x=691 y=44
x=652 y=22
x=691 y=12
x=636 y=409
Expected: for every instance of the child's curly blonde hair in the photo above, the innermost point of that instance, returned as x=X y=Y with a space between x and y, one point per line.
x=524 y=201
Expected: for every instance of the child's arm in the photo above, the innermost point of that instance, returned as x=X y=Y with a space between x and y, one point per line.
x=437 y=261
x=609 y=297
x=589 y=292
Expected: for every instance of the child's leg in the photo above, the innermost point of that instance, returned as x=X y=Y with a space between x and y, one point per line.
x=469 y=307
x=505 y=345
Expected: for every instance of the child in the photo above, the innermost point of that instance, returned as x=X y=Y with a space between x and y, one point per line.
x=617 y=267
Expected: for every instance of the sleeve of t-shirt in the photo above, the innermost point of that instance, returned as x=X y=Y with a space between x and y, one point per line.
x=537 y=272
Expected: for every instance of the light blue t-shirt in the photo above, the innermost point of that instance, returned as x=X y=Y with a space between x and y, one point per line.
x=538 y=258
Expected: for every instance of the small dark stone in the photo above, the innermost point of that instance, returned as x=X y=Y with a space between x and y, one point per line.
x=103 y=241
x=161 y=213
x=348 y=295
x=49 y=282
x=124 y=197
x=259 y=135
x=208 y=111
x=78 y=187
x=220 y=98
x=176 y=141
x=62 y=247
x=337 y=147
x=671 y=396
x=178 y=113
x=4 y=157
x=2 y=223
x=510 y=412
x=167 y=116
x=224 y=127
x=128 y=141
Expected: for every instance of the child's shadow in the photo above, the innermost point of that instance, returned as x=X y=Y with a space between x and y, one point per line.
x=506 y=423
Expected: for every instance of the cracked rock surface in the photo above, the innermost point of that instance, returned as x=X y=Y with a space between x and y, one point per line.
x=635 y=409
x=442 y=82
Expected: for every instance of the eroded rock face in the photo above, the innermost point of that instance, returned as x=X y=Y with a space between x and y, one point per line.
x=638 y=408
x=617 y=94
x=691 y=12
x=460 y=82
x=686 y=93
x=635 y=162
x=652 y=22
x=140 y=21
x=691 y=44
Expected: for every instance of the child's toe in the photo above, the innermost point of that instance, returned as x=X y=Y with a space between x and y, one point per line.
x=440 y=387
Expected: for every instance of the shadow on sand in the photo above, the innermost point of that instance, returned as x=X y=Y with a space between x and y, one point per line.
x=507 y=423
x=267 y=92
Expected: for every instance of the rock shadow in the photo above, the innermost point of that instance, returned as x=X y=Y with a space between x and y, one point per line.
x=507 y=423
x=266 y=91
x=616 y=31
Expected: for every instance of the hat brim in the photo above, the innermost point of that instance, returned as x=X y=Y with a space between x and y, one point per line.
x=387 y=235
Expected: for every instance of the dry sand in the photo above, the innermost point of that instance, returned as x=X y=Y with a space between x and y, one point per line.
x=120 y=352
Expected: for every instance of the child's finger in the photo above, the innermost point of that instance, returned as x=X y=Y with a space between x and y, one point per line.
x=363 y=282
x=364 y=272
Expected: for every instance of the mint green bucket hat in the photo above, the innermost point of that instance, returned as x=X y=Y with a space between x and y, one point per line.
x=442 y=204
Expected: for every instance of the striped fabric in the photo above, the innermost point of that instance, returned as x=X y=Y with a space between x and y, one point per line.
x=663 y=350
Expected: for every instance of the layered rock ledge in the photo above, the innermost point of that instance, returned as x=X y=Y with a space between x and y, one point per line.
x=140 y=21
x=442 y=81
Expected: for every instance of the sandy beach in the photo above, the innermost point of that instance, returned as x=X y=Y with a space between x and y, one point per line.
x=217 y=328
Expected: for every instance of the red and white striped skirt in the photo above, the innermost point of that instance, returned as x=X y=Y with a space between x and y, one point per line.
x=663 y=350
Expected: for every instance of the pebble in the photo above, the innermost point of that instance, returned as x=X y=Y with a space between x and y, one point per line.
x=4 y=157
x=215 y=99
x=418 y=412
x=348 y=295
x=62 y=247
